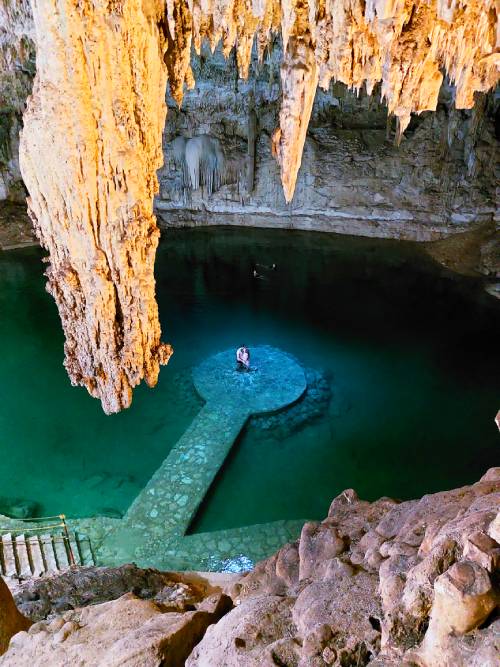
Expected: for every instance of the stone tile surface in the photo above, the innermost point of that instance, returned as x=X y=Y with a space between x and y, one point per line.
x=153 y=532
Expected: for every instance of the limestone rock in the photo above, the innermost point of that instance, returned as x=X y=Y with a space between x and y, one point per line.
x=318 y=544
x=91 y=142
x=17 y=69
x=94 y=121
x=11 y=620
x=41 y=597
x=345 y=622
x=127 y=631
x=483 y=550
x=352 y=179
x=246 y=636
x=463 y=599
x=387 y=584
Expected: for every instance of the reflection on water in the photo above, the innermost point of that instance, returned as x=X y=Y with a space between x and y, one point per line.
x=407 y=349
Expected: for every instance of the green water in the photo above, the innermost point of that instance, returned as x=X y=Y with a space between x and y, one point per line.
x=410 y=350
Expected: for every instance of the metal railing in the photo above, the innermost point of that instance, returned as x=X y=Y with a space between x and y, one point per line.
x=62 y=524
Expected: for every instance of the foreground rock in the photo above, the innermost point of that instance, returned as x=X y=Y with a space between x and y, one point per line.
x=11 y=621
x=385 y=584
x=47 y=596
x=127 y=631
x=111 y=616
x=414 y=583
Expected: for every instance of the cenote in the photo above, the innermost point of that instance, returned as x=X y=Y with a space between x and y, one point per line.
x=406 y=353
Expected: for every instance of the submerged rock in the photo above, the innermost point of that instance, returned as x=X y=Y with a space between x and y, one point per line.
x=110 y=512
x=19 y=508
x=312 y=406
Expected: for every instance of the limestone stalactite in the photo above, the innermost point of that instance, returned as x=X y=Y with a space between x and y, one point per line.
x=89 y=152
x=405 y=46
x=92 y=138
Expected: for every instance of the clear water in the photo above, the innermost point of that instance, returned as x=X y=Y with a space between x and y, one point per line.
x=410 y=350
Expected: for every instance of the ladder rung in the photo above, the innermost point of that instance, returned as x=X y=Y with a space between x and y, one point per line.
x=36 y=555
x=74 y=549
x=85 y=549
x=22 y=556
x=48 y=553
x=61 y=552
x=9 y=557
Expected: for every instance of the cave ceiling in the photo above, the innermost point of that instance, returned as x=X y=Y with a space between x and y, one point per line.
x=92 y=137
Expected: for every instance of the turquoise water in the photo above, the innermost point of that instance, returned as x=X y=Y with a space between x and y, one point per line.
x=409 y=351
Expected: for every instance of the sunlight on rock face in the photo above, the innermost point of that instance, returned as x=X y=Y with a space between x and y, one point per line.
x=90 y=149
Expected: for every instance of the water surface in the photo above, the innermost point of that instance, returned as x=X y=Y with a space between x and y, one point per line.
x=410 y=352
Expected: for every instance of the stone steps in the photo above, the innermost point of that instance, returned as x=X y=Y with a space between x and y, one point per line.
x=31 y=556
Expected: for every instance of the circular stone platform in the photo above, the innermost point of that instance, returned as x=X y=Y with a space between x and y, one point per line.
x=275 y=381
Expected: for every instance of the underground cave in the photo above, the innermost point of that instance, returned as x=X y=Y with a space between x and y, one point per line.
x=319 y=182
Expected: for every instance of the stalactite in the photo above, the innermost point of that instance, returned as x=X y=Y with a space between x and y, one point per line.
x=405 y=46
x=251 y=141
x=92 y=138
x=90 y=149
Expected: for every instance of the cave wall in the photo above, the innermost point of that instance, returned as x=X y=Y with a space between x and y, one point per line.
x=17 y=69
x=354 y=179
x=91 y=141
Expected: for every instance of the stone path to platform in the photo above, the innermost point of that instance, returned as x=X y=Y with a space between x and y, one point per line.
x=153 y=532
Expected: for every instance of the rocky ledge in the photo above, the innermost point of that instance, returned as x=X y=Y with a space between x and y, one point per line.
x=407 y=584
x=16 y=229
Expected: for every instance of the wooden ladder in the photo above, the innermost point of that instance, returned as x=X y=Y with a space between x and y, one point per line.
x=31 y=556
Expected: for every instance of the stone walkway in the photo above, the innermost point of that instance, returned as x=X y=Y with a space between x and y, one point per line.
x=153 y=532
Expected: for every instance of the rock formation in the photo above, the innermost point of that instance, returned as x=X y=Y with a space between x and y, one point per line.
x=127 y=631
x=382 y=584
x=202 y=163
x=17 y=69
x=353 y=179
x=403 y=46
x=11 y=621
x=92 y=137
x=90 y=148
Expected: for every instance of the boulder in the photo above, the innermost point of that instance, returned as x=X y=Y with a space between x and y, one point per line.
x=251 y=635
x=40 y=597
x=11 y=620
x=128 y=631
x=463 y=599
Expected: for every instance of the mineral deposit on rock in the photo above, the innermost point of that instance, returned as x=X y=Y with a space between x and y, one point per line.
x=90 y=148
x=91 y=142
